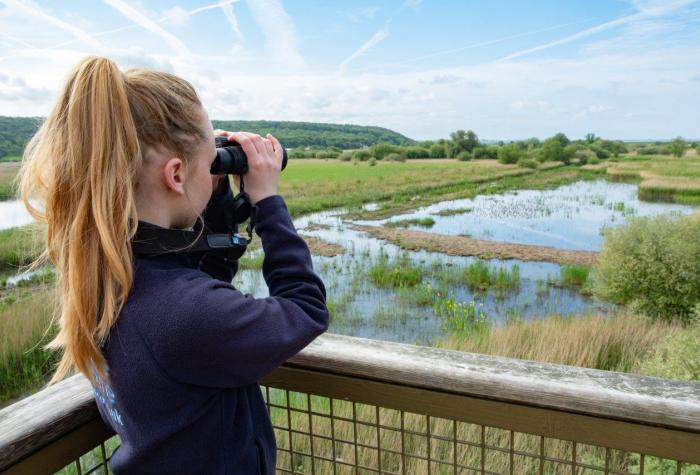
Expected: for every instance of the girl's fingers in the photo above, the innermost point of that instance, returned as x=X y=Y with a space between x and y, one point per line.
x=257 y=142
x=279 y=151
x=269 y=146
x=245 y=142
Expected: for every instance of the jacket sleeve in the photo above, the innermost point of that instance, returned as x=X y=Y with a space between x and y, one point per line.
x=228 y=339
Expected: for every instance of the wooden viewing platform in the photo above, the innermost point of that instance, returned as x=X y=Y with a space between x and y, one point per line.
x=347 y=403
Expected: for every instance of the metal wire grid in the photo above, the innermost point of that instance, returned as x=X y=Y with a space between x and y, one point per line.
x=320 y=435
x=94 y=461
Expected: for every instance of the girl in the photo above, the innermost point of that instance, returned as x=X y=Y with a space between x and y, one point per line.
x=173 y=354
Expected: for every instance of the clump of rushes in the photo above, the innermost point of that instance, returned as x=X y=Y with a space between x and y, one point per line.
x=454 y=211
x=573 y=275
x=427 y=222
x=481 y=276
x=400 y=273
x=460 y=316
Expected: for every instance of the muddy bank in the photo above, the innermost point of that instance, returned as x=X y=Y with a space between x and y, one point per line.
x=466 y=246
x=322 y=248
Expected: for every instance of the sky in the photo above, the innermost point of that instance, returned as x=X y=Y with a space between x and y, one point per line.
x=507 y=69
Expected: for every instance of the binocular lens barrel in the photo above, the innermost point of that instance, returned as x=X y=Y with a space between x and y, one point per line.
x=232 y=160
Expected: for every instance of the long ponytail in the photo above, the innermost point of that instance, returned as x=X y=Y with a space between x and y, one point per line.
x=78 y=177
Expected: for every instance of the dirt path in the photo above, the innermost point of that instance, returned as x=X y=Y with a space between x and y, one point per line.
x=466 y=246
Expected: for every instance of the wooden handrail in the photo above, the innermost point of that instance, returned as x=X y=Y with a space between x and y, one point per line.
x=43 y=418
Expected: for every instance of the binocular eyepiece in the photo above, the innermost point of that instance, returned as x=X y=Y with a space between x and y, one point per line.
x=232 y=160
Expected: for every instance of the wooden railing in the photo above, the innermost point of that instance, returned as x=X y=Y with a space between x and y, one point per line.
x=350 y=405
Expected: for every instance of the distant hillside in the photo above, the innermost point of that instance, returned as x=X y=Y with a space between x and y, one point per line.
x=16 y=131
x=301 y=134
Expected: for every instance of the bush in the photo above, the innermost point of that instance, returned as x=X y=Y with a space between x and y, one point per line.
x=395 y=157
x=649 y=150
x=438 y=151
x=382 y=149
x=464 y=156
x=652 y=264
x=372 y=162
x=327 y=154
x=485 y=152
x=594 y=160
x=599 y=151
x=416 y=152
x=345 y=156
x=527 y=163
x=361 y=155
x=510 y=153
x=584 y=156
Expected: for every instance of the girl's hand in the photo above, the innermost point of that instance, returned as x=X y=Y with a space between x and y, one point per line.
x=264 y=163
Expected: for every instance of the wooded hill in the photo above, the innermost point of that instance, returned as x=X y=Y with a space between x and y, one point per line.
x=15 y=131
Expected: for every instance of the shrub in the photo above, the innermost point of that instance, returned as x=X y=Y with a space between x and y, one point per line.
x=652 y=264
x=327 y=154
x=599 y=151
x=438 y=151
x=583 y=156
x=395 y=157
x=677 y=147
x=527 y=163
x=372 y=162
x=594 y=160
x=485 y=152
x=510 y=153
x=416 y=152
x=345 y=156
x=382 y=149
x=361 y=155
x=464 y=156
x=552 y=150
x=649 y=150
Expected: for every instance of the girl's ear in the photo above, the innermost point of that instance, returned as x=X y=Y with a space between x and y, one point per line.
x=174 y=175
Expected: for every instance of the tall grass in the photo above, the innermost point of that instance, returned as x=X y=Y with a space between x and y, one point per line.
x=483 y=276
x=616 y=343
x=25 y=316
x=398 y=273
x=573 y=275
x=426 y=222
x=19 y=246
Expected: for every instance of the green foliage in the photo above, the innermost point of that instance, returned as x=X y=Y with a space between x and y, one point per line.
x=460 y=317
x=573 y=275
x=614 y=147
x=300 y=134
x=438 y=151
x=399 y=274
x=372 y=162
x=482 y=276
x=361 y=155
x=382 y=149
x=415 y=152
x=15 y=132
x=552 y=150
x=464 y=156
x=599 y=151
x=677 y=147
x=327 y=154
x=18 y=247
x=461 y=141
x=590 y=138
x=510 y=153
x=652 y=264
x=583 y=156
x=562 y=139
x=395 y=157
x=527 y=163
x=485 y=152
x=677 y=356
x=345 y=156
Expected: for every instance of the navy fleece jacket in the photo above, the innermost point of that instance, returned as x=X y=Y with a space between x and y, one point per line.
x=187 y=350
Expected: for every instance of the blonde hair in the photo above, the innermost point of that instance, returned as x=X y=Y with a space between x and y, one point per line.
x=78 y=177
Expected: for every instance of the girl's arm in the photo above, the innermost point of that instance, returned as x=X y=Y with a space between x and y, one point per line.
x=228 y=339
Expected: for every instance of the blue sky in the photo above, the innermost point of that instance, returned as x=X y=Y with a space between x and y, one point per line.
x=626 y=69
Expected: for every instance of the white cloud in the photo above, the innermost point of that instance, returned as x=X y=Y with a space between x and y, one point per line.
x=358 y=15
x=377 y=38
x=145 y=22
x=232 y=20
x=277 y=26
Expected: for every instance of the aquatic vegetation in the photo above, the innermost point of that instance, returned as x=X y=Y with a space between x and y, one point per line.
x=573 y=275
x=426 y=222
x=453 y=211
x=398 y=273
x=460 y=316
x=482 y=276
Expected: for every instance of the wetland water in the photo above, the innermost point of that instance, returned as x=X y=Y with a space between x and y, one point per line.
x=570 y=217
